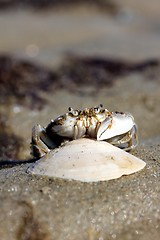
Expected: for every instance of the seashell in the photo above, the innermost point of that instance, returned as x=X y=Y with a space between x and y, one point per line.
x=87 y=160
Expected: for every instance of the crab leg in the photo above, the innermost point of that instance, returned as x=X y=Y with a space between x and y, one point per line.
x=40 y=144
x=79 y=129
x=133 y=142
x=126 y=141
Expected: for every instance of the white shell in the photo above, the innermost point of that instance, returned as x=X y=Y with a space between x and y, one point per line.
x=120 y=124
x=87 y=160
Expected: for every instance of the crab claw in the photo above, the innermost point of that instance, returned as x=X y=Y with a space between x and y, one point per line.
x=117 y=124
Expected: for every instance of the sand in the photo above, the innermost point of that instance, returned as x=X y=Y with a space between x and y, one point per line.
x=41 y=208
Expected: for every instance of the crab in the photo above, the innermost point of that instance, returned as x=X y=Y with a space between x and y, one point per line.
x=117 y=128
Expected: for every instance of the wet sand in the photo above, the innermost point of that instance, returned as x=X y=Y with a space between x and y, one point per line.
x=126 y=208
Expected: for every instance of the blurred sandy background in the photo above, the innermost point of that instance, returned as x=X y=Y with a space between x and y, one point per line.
x=56 y=54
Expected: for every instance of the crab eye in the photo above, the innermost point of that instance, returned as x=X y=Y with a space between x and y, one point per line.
x=96 y=110
x=73 y=112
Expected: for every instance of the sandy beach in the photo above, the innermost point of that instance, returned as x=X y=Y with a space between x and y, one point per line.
x=44 y=53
